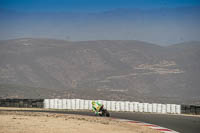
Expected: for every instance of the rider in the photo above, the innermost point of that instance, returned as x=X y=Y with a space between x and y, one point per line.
x=97 y=107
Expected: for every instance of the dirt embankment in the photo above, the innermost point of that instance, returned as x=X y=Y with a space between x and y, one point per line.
x=33 y=122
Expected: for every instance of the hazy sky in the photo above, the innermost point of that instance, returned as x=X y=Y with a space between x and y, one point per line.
x=161 y=21
x=90 y=5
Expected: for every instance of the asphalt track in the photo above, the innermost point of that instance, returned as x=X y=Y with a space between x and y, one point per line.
x=180 y=123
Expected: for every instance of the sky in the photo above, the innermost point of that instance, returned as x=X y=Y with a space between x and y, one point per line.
x=161 y=21
x=90 y=5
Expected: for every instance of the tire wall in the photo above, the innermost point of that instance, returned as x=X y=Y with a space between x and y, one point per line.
x=23 y=103
x=123 y=106
x=120 y=106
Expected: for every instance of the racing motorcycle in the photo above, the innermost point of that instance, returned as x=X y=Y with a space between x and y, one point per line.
x=104 y=112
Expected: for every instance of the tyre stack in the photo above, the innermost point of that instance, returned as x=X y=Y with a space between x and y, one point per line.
x=22 y=103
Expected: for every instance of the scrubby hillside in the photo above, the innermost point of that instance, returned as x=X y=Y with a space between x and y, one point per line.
x=120 y=70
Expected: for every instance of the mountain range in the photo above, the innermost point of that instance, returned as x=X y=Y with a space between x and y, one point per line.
x=100 y=69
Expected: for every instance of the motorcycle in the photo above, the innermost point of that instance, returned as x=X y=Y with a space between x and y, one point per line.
x=104 y=112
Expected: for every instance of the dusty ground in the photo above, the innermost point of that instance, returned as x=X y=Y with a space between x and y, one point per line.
x=28 y=122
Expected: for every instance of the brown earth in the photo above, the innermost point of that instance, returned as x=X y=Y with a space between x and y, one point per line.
x=32 y=122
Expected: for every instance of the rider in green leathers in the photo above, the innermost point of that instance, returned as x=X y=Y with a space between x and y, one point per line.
x=97 y=107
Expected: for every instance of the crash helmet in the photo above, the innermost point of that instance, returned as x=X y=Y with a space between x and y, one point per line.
x=93 y=102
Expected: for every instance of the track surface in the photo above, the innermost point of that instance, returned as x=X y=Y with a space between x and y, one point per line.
x=180 y=123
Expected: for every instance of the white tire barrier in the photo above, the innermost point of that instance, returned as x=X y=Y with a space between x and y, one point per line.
x=150 y=108
x=117 y=105
x=131 y=106
x=104 y=103
x=51 y=103
x=59 y=104
x=90 y=104
x=86 y=104
x=113 y=106
x=55 y=104
x=173 y=108
x=159 y=109
x=76 y=104
x=126 y=106
x=164 y=111
x=108 y=107
x=122 y=106
x=145 y=106
x=140 y=107
x=73 y=104
x=135 y=106
x=47 y=103
x=64 y=102
x=69 y=105
x=81 y=104
x=168 y=108
x=154 y=107
x=178 y=109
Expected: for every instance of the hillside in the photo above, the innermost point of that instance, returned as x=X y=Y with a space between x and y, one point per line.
x=114 y=70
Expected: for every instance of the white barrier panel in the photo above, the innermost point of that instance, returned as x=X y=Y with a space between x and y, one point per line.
x=178 y=109
x=159 y=108
x=77 y=103
x=127 y=106
x=46 y=103
x=117 y=106
x=73 y=102
x=150 y=108
x=131 y=106
x=122 y=106
x=136 y=109
x=145 y=105
x=164 y=109
x=86 y=104
x=108 y=105
x=168 y=108
x=59 y=104
x=173 y=108
x=55 y=104
x=69 y=105
x=104 y=104
x=154 y=107
x=113 y=104
x=81 y=104
x=140 y=107
x=51 y=103
x=64 y=103
x=90 y=104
